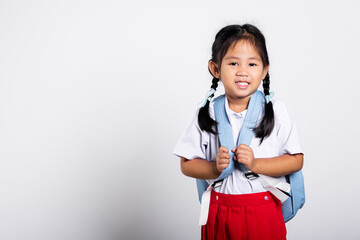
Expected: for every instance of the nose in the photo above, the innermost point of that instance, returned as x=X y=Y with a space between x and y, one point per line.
x=241 y=71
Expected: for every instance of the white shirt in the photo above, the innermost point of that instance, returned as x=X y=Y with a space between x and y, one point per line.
x=195 y=143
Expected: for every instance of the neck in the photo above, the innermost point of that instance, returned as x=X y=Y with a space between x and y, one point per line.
x=238 y=104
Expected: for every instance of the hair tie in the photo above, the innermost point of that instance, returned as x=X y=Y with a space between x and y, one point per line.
x=269 y=97
x=207 y=97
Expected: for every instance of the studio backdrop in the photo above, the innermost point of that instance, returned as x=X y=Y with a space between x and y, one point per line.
x=95 y=94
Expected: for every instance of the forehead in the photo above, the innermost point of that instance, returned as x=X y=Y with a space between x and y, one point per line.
x=243 y=47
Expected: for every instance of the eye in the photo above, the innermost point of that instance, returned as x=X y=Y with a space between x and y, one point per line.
x=233 y=64
x=252 y=64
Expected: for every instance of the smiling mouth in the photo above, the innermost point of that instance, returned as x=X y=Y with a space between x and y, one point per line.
x=242 y=84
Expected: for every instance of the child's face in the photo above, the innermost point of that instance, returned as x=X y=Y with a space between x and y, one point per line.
x=241 y=71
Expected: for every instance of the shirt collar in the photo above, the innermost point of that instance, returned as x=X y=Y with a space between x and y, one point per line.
x=231 y=114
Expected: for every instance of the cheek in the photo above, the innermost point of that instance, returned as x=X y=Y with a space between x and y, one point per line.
x=260 y=75
x=227 y=72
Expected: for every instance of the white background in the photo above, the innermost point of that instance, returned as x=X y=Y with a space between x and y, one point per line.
x=95 y=94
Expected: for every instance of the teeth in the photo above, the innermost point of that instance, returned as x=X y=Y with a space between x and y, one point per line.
x=242 y=83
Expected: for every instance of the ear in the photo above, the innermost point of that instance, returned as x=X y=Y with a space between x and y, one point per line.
x=214 y=69
x=265 y=71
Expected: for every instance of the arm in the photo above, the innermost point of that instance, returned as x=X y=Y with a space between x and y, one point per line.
x=279 y=166
x=202 y=169
x=275 y=166
x=199 y=168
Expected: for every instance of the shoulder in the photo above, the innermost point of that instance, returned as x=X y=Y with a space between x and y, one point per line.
x=218 y=100
x=282 y=117
x=285 y=130
x=280 y=109
x=211 y=110
x=194 y=121
x=278 y=105
x=194 y=142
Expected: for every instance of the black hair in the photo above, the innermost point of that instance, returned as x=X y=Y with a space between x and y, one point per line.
x=223 y=40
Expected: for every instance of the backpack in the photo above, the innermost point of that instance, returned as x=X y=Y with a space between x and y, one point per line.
x=296 y=197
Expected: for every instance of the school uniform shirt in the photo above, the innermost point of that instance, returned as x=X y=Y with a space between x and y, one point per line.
x=195 y=143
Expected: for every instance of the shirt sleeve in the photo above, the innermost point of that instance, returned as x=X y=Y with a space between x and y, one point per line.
x=287 y=135
x=193 y=141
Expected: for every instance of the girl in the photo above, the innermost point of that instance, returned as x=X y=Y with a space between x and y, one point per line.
x=241 y=208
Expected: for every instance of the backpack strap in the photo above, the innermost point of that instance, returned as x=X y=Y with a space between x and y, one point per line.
x=297 y=196
x=292 y=198
x=224 y=130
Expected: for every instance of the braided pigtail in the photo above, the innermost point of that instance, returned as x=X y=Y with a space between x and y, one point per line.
x=264 y=129
x=206 y=123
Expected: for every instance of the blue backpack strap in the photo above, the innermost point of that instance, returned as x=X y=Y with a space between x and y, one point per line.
x=201 y=185
x=225 y=136
x=297 y=196
x=224 y=130
x=250 y=122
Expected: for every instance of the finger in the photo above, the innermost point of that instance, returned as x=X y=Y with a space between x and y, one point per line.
x=241 y=159
x=224 y=161
x=223 y=166
x=245 y=159
x=220 y=161
x=239 y=149
x=225 y=155
x=244 y=154
x=223 y=149
x=244 y=146
x=244 y=151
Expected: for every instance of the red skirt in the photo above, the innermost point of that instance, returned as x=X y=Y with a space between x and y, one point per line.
x=245 y=216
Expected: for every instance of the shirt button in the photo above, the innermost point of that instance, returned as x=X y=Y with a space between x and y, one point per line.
x=266 y=198
x=217 y=198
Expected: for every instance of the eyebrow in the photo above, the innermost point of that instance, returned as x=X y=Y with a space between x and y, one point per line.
x=250 y=58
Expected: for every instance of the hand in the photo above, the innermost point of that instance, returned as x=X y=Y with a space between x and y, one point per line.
x=222 y=159
x=244 y=154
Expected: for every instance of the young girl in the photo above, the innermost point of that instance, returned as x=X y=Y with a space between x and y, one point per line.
x=241 y=208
